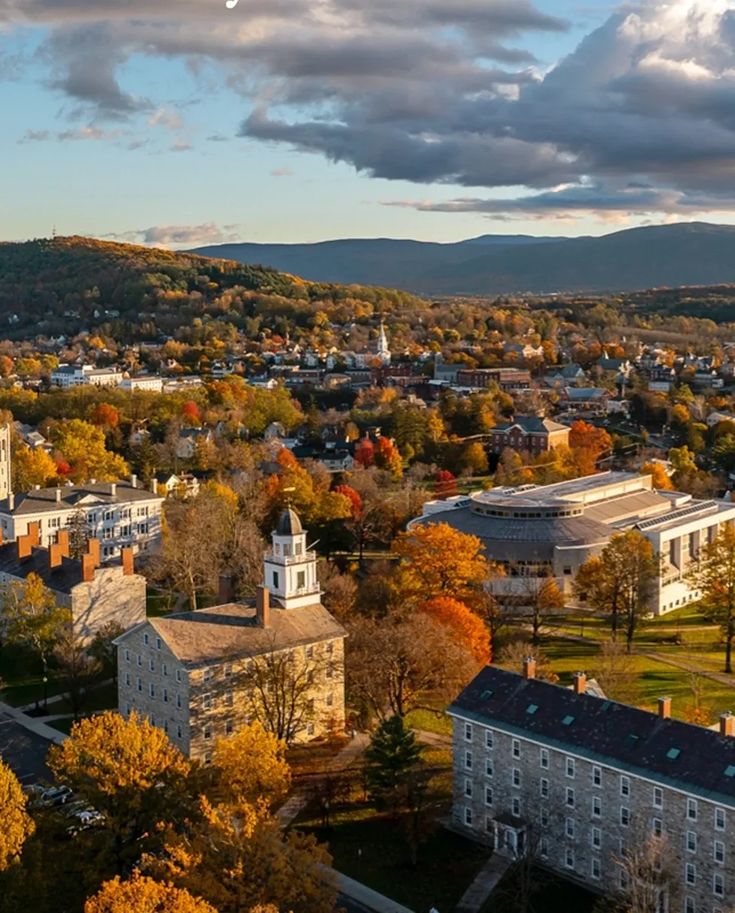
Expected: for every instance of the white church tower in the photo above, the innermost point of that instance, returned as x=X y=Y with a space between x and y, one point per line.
x=290 y=568
x=383 y=350
x=5 y=462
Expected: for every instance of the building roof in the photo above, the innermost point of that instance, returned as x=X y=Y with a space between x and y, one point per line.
x=532 y=424
x=289 y=523
x=215 y=634
x=682 y=755
x=75 y=496
x=62 y=578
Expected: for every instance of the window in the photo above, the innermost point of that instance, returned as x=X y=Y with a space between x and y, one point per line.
x=489 y=742
x=164 y=668
x=718 y=884
x=178 y=701
x=178 y=675
x=468 y=760
x=207 y=732
x=595 y=868
x=570 y=767
x=543 y=848
x=178 y=731
x=692 y=809
x=151 y=665
x=127 y=656
x=468 y=788
x=139 y=683
x=569 y=858
x=165 y=695
x=206 y=702
x=596 y=838
x=596 y=807
x=208 y=674
x=544 y=789
x=719 y=852
x=468 y=816
x=624 y=816
x=275 y=580
x=301 y=580
x=689 y=905
x=625 y=786
x=719 y=819
x=127 y=678
x=228 y=670
x=544 y=758
x=658 y=797
x=489 y=770
x=488 y=795
x=544 y=817
x=158 y=643
x=330 y=699
x=570 y=797
x=516 y=807
x=657 y=827
x=152 y=689
x=691 y=841
x=597 y=776
x=569 y=828
x=139 y=659
x=468 y=732
x=690 y=873
x=145 y=639
x=516 y=778
x=516 y=748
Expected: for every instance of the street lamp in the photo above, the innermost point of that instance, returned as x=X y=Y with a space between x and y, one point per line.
x=45 y=692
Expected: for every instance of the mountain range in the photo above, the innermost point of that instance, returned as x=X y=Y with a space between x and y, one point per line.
x=695 y=253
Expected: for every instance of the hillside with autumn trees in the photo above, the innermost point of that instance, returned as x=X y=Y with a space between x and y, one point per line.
x=68 y=284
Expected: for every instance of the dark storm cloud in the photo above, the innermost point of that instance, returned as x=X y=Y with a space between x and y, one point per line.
x=439 y=91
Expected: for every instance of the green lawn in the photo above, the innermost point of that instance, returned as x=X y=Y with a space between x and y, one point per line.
x=430 y=721
x=21 y=678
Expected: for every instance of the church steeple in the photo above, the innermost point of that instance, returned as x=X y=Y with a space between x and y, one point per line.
x=290 y=568
x=383 y=350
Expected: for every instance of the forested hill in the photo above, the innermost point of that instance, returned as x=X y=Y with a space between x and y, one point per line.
x=64 y=285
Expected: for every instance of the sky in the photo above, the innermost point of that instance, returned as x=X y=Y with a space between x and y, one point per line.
x=185 y=122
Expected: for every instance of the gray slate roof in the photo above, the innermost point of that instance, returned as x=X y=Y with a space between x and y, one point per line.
x=44 y=499
x=678 y=754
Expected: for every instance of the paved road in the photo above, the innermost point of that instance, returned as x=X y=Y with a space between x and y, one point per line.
x=23 y=751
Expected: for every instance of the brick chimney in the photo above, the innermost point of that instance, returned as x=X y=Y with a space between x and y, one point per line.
x=727 y=725
x=34 y=532
x=664 y=708
x=25 y=547
x=263 y=607
x=226 y=592
x=94 y=551
x=580 y=683
x=88 y=568
x=529 y=667
x=62 y=540
x=55 y=555
x=128 y=562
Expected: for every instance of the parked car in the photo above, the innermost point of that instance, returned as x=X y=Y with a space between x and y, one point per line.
x=55 y=795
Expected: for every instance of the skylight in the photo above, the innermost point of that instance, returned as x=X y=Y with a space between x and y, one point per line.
x=567 y=721
x=673 y=753
x=486 y=695
x=532 y=708
x=730 y=771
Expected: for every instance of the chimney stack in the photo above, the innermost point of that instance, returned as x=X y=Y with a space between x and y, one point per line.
x=94 y=551
x=134 y=480
x=580 y=683
x=113 y=489
x=25 y=547
x=62 y=540
x=263 y=607
x=58 y=495
x=88 y=568
x=226 y=592
x=55 y=555
x=664 y=708
x=727 y=725
x=529 y=667
x=34 y=532
x=128 y=561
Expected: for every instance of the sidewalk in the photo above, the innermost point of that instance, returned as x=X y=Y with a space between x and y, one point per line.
x=366 y=897
x=32 y=725
x=341 y=761
x=487 y=879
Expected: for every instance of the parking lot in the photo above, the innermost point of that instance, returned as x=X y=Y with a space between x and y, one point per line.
x=23 y=751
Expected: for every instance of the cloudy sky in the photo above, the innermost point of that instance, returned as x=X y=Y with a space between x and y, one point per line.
x=182 y=122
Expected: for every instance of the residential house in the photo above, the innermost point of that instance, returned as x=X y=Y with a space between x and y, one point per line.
x=530 y=433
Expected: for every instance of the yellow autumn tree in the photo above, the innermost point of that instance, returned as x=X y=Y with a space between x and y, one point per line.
x=659 y=476
x=238 y=859
x=438 y=560
x=140 y=894
x=32 y=467
x=82 y=446
x=251 y=767
x=17 y=825
x=129 y=771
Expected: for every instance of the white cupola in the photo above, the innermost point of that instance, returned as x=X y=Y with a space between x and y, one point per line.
x=290 y=568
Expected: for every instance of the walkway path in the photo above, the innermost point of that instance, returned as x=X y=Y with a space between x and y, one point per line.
x=344 y=758
x=32 y=724
x=366 y=897
x=486 y=880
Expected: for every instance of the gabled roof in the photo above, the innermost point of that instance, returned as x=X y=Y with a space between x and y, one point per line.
x=532 y=424
x=682 y=755
x=74 y=496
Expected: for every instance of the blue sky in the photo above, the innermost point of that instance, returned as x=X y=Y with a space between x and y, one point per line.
x=314 y=119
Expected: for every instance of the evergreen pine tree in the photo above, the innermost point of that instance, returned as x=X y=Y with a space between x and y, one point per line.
x=393 y=758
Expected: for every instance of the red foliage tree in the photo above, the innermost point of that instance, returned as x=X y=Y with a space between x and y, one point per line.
x=352 y=496
x=191 y=413
x=445 y=484
x=365 y=453
x=467 y=627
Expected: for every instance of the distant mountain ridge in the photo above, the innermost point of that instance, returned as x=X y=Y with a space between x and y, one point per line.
x=694 y=253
